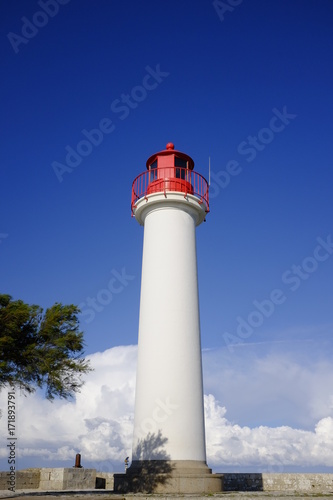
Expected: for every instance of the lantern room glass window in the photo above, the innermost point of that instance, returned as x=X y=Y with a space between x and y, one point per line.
x=180 y=172
x=153 y=171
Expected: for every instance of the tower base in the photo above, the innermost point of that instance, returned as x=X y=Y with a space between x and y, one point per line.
x=162 y=476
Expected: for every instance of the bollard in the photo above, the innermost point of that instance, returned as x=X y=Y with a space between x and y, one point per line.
x=78 y=461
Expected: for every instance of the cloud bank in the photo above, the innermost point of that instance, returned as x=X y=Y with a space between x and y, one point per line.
x=277 y=412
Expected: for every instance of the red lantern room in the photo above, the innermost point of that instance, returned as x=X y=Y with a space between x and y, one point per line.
x=170 y=171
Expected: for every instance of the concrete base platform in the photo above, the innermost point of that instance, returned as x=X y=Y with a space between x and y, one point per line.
x=93 y=495
x=156 y=476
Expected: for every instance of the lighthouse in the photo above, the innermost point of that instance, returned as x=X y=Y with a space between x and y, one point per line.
x=169 y=200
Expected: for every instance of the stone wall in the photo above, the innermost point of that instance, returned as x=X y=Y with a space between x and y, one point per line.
x=314 y=483
x=104 y=480
x=310 y=483
x=242 y=482
x=67 y=479
x=52 y=479
x=24 y=479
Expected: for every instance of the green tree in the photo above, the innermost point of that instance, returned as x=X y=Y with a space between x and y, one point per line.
x=41 y=349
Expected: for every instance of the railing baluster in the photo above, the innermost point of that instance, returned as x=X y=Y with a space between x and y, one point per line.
x=199 y=185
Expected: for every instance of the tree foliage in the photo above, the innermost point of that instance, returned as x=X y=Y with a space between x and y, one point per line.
x=41 y=349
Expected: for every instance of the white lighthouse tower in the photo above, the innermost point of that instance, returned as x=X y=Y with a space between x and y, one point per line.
x=170 y=200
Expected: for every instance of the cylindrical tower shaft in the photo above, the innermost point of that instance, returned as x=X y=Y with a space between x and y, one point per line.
x=169 y=393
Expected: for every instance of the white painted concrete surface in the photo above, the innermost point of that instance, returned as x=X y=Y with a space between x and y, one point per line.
x=169 y=392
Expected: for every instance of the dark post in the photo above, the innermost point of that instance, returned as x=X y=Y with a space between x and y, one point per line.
x=78 y=461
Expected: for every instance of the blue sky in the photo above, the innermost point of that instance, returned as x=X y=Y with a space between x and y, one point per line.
x=248 y=85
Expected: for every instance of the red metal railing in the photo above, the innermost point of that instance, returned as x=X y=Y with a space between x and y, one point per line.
x=163 y=180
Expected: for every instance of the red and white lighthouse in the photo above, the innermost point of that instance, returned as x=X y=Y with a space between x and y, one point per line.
x=170 y=200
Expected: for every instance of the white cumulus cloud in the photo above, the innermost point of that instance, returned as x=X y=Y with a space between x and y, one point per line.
x=254 y=414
